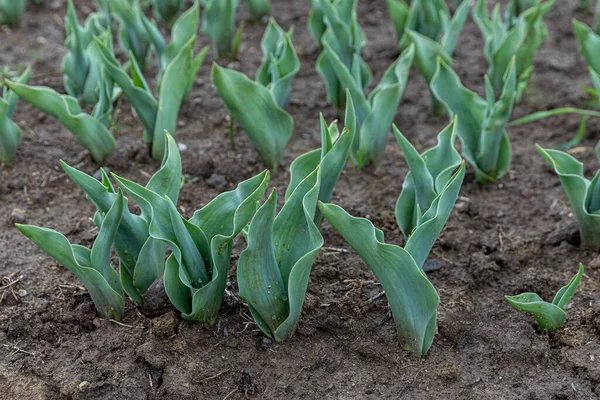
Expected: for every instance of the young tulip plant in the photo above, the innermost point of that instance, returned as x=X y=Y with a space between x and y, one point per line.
x=166 y=10
x=258 y=8
x=218 y=23
x=142 y=258
x=274 y=270
x=519 y=36
x=259 y=106
x=89 y=130
x=428 y=49
x=11 y=12
x=196 y=271
x=481 y=124
x=92 y=267
x=10 y=133
x=134 y=37
x=549 y=316
x=428 y=18
x=343 y=38
x=588 y=39
x=583 y=194
x=428 y=196
x=82 y=64
x=160 y=114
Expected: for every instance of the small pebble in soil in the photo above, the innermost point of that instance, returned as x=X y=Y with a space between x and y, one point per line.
x=266 y=343
x=17 y=216
x=217 y=181
x=83 y=386
x=182 y=146
x=432 y=265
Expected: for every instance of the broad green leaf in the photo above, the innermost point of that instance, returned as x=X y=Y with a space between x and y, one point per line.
x=273 y=271
x=583 y=194
x=412 y=298
x=11 y=12
x=258 y=8
x=88 y=131
x=133 y=35
x=253 y=106
x=549 y=316
x=91 y=267
x=218 y=23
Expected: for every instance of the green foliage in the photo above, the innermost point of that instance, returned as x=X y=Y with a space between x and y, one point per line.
x=430 y=19
x=519 y=36
x=10 y=133
x=134 y=37
x=92 y=267
x=273 y=271
x=589 y=47
x=166 y=10
x=375 y=113
x=280 y=63
x=11 y=12
x=196 y=271
x=342 y=40
x=549 y=316
x=255 y=107
x=413 y=299
x=88 y=130
x=218 y=23
x=142 y=258
x=583 y=194
x=428 y=176
x=428 y=49
x=82 y=64
x=481 y=123
x=258 y=8
x=176 y=80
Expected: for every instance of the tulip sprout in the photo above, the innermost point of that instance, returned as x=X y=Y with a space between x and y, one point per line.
x=520 y=37
x=158 y=115
x=196 y=271
x=481 y=123
x=412 y=298
x=258 y=106
x=343 y=38
x=88 y=130
x=142 y=258
x=134 y=37
x=258 y=8
x=166 y=10
x=10 y=133
x=583 y=194
x=92 y=267
x=428 y=48
x=81 y=65
x=11 y=12
x=273 y=271
x=218 y=23
x=549 y=316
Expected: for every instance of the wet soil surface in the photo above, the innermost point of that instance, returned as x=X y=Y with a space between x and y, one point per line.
x=505 y=238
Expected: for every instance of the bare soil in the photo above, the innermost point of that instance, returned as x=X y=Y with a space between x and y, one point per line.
x=505 y=238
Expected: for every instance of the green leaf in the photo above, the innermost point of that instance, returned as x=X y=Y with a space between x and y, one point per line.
x=412 y=298
x=11 y=12
x=549 y=316
x=253 y=106
x=581 y=193
x=258 y=8
x=273 y=271
x=91 y=267
x=133 y=35
x=218 y=23
x=10 y=133
x=167 y=10
x=88 y=131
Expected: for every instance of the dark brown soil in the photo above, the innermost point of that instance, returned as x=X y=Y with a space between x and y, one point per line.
x=505 y=238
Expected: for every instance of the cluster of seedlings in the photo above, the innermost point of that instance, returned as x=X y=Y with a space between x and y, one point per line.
x=192 y=256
